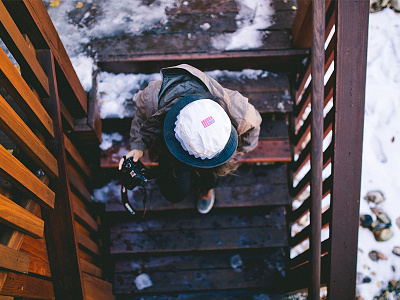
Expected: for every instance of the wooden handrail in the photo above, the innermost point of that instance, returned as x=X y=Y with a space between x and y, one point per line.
x=16 y=43
x=23 y=95
x=16 y=129
x=317 y=136
x=19 y=218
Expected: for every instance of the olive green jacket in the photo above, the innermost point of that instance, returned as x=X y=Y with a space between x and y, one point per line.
x=159 y=96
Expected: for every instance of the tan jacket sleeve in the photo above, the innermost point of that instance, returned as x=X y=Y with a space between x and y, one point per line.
x=248 y=119
x=251 y=129
x=146 y=102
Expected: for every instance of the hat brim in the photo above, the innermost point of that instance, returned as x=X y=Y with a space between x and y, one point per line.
x=176 y=148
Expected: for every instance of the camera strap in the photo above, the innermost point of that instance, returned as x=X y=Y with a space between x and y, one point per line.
x=127 y=204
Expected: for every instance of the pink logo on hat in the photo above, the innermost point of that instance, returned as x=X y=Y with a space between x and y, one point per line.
x=207 y=121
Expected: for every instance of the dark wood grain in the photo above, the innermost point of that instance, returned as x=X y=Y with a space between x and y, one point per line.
x=220 y=235
x=251 y=187
x=32 y=18
x=18 y=218
x=349 y=101
x=63 y=252
x=16 y=129
x=21 y=285
x=23 y=95
x=17 y=45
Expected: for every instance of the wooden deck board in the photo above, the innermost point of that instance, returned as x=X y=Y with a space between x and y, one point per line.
x=255 y=186
x=218 y=231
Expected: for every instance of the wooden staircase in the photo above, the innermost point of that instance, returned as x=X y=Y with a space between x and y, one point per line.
x=234 y=252
x=237 y=250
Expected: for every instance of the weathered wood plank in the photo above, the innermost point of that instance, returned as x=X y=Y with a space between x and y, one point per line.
x=21 y=285
x=16 y=129
x=14 y=171
x=177 y=43
x=85 y=217
x=267 y=151
x=236 y=294
x=13 y=238
x=264 y=217
x=90 y=268
x=77 y=157
x=278 y=151
x=216 y=231
x=87 y=243
x=37 y=250
x=17 y=45
x=96 y=288
x=67 y=115
x=255 y=186
x=202 y=272
x=23 y=95
x=13 y=260
x=32 y=18
x=271 y=60
x=16 y=217
x=205 y=260
x=79 y=185
x=60 y=230
x=349 y=104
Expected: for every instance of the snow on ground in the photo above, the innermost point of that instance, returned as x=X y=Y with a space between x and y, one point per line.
x=381 y=149
x=381 y=159
x=132 y=17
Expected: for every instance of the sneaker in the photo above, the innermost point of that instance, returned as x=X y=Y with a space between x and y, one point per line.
x=206 y=202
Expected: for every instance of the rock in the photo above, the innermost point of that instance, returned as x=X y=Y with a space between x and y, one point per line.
x=382 y=235
x=378 y=5
x=375 y=256
x=396 y=250
x=375 y=197
x=366 y=279
x=143 y=281
x=237 y=263
x=381 y=216
x=366 y=221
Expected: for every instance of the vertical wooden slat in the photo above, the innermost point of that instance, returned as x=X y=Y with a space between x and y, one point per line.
x=317 y=135
x=349 y=98
x=60 y=230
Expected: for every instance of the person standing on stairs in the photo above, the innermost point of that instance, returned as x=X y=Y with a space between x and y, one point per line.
x=195 y=129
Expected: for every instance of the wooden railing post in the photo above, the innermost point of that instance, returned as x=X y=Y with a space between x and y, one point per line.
x=349 y=97
x=60 y=230
x=317 y=136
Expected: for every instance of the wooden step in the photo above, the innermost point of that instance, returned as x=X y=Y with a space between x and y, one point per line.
x=96 y=288
x=225 y=273
x=250 y=186
x=285 y=60
x=188 y=42
x=190 y=231
x=214 y=295
x=267 y=151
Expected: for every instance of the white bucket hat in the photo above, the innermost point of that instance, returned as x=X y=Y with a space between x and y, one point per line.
x=199 y=132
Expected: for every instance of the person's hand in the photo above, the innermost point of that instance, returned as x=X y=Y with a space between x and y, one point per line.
x=135 y=153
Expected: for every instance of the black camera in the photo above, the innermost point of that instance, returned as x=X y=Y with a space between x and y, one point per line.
x=133 y=174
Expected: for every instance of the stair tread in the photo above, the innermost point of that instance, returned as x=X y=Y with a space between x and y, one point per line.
x=217 y=230
x=237 y=294
x=222 y=271
x=255 y=186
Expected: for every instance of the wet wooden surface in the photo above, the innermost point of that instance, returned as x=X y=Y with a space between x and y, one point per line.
x=237 y=250
x=192 y=252
x=252 y=186
x=183 y=31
